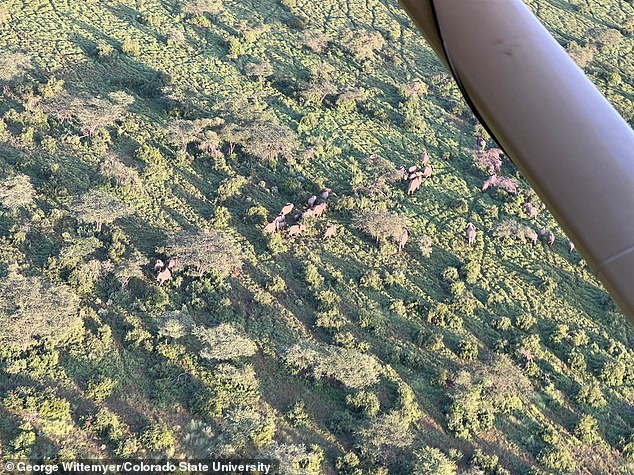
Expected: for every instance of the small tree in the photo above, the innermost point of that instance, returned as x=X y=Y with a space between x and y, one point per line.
x=381 y=225
x=432 y=461
x=91 y=113
x=31 y=309
x=362 y=44
x=224 y=342
x=17 y=192
x=99 y=207
x=268 y=141
x=130 y=267
x=206 y=250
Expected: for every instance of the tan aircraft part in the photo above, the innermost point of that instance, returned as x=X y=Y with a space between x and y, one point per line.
x=571 y=145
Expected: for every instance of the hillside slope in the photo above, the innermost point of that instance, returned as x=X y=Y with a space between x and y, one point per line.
x=140 y=130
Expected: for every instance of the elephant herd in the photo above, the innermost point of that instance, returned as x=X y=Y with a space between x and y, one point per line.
x=294 y=222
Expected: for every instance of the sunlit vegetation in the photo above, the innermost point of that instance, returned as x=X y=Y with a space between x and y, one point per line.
x=154 y=303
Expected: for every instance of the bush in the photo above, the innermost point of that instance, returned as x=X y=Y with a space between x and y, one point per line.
x=577 y=362
x=364 y=402
x=487 y=463
x=558 y=459
x=587 y=430
x=591 y=395
x=525 y=321
x=432 y=461
x=347 y=465
x=158 y=438
x=297 y=415
x=502 y=324
x=104 y=49
x=276 y=284
x=224 y=342
x=348 y=367
x=450 y=274
x=130 y=47
x=613 y=373
x=468 y=350
x=313 y=277
x=471 y=271
x=101 y=388
x=205 y=250
x=443 y=316
x=372 y=280
x=32 y=309
x=469 y=413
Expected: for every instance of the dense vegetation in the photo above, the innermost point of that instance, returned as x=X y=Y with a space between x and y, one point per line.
x=136 y=130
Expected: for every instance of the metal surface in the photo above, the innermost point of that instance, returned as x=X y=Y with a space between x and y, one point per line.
x=571 y=145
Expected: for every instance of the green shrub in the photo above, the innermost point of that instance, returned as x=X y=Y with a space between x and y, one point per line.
x=471 y=271
x=224 y=342
x=313 y=277
x=502 y=324
x=432 y=461
x=372 y=280
x=485 y=462
x=298 y=415
x=399 y=308
x=469 y=413
x=101 y=388
x=613 y=373
x=525 y=321
x=108 y=424
x=450 y=274
x=348 y=464
x=130 y=47
x=577 y=362
x=468 y=350
x=276 y=284
x=591 y=395
x=587 y=430
x=558 y=459
x=104 y=50
x=158 y=437
x=365 y=402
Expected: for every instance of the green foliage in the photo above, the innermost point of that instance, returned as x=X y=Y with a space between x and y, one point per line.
x=591 y=395
x=381 y=226
x=298 y=415
x=205 y=251
x=348 y=367
x=364 y=402
x=17 y=192
x=313 y=277
x=613 y=373
x=468 y=350
x=469 y=413
x=485 y=462
x=557 y=458
x=158 y=438
x=587 y=430
x=525 y=321
x=223 y=342
x=204 y=113
x=432 y=461
x=101 y=388
x=32 y=309
x=295 y=459
x=108 y=424
x=99 y=207
x=130 y=47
